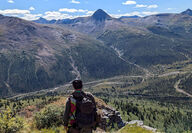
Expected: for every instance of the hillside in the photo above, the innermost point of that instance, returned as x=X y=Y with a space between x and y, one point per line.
x=43 y=113
x=35 y=56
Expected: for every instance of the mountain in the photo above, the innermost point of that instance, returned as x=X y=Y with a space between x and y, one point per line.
x=100 y=15
x=35 y=56
x=157 y=39
x=146 y=41
x=187 y=12
x=60 y=21
x=129 y=17
x=93 y=25
x=43 y=21
x=51 y=55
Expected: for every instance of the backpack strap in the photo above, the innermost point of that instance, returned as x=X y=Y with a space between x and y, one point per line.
x=73 y=110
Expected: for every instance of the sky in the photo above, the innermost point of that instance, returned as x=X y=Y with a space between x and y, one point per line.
x=62 y=9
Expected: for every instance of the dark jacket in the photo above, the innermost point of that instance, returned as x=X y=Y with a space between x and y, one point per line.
x=77 y=96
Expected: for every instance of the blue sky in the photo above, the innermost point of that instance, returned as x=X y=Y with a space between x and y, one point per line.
x=60 y=9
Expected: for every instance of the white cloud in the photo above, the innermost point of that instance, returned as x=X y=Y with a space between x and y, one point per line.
x=24 y=14
x=72 y=10
x=171 y=9
x=50 y=15
x=81 y=10
x=31 y=8
x=31 y=16
x=149 y=13
x=90 y=12
x=146 y=6
x=75 y=2
x=68 y=10
x=10 y=1
x=56 y=15
x=14 y=11
x=126 y=14
x=140 y=6
x=136 y=13
x=129 y=3
x=152 y=6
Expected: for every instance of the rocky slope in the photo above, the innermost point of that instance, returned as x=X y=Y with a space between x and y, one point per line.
x=111 y=117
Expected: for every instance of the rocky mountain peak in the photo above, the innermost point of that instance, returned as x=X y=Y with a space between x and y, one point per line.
x=100 y=15
x=187 y=12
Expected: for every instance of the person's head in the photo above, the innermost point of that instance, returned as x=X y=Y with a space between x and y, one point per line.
x=77 y=84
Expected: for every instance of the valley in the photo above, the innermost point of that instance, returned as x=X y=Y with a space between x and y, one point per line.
x=154 y=100
x=53 y=54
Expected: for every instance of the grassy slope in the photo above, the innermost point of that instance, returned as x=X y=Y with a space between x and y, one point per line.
x=133 y=129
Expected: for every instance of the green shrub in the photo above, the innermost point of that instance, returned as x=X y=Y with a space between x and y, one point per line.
x=10 y=123
x=51 y=130
x=49 y=117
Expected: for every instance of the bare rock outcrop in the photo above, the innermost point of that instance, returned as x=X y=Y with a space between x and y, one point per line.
x=110 y=118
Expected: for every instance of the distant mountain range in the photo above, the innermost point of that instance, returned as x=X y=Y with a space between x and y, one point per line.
x=129 y=17
x=43 y=54
x=98 y=15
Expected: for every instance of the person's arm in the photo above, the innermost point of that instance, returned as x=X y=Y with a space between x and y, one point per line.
x=67 y=112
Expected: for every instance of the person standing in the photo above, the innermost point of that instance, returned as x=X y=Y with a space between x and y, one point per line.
x=80 y=114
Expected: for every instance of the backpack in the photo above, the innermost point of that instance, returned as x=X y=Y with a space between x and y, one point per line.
x=85 y=114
